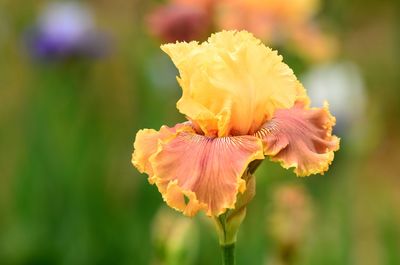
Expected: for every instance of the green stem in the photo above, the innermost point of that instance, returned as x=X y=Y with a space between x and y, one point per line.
x=228 y=223
x=228 y=254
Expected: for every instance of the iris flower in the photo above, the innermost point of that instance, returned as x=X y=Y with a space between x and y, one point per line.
x=242 y=104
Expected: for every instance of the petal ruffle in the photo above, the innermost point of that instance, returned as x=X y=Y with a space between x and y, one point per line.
x=301 y=137
x=146 y=145
x=301 y=95
x=232 y=83
x=195 y=172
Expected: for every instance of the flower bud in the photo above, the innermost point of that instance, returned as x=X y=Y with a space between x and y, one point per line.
x=174 y=238
x=289 y=222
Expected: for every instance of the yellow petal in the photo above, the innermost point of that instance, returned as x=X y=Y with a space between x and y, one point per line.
x=194 y=172
x=232 y=83
x=301 y=95
x=301 y=137
x=145 y=145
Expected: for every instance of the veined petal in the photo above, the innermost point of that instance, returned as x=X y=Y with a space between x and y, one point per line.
x=194 y=172
x=301 y=137
x=232 y=83
x=146 y=145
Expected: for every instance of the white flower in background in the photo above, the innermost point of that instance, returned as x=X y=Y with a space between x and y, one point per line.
x=342 y=85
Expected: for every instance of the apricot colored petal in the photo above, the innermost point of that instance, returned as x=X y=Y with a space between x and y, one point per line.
x=146 y=145
x=301 y=137
x=248 y=15
x=267 y=19
x=232 y=83
x=206 y=5
x=195 y=172
x=315 y=45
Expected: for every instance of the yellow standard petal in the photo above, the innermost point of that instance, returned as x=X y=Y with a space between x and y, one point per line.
x=232 y=83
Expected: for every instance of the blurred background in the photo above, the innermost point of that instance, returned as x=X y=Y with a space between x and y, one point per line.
x=79 y=78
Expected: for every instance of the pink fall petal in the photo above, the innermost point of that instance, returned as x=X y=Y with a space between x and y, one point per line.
x=146 y=145
x=194 y=172
x=301 y=137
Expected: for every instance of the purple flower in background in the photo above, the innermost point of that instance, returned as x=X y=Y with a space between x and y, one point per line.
x=64 y=30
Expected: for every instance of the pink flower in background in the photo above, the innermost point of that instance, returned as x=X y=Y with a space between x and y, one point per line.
x=180 y=20
x=289 y=23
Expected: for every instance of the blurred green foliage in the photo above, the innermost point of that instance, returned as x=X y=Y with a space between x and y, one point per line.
x=69 y=195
